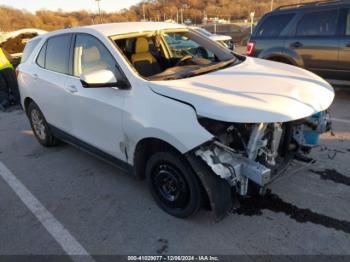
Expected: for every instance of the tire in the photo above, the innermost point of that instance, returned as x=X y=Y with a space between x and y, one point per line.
x=40 y=127
x=173 y=184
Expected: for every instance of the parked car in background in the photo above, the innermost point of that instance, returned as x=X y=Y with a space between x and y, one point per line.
x=224 y=40
x=237 y=32
x=199 y=122
x=315 y=36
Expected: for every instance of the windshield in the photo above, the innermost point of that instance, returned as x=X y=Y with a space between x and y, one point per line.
x=182 y=45
x=204 y=32
x=175 y=54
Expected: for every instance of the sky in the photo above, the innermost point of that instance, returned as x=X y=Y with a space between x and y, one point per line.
x=69 y=5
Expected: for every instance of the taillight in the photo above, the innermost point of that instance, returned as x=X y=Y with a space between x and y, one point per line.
x=250 y=48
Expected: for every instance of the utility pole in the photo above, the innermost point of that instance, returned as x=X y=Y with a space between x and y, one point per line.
x=272 y=4
x=143 y=12
x=99 y=10
x=164 y=10
x=182 y=15
x=252 y=14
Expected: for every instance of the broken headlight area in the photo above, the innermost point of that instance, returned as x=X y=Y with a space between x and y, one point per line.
x=307 y=132
x=257 y=152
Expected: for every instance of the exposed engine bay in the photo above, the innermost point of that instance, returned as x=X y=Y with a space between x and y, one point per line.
x=241 y=153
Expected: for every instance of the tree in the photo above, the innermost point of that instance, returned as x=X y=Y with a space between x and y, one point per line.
x=155 y=10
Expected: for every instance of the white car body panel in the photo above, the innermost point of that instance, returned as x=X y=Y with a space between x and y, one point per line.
x=96 y=116
x=48 y=91
x=252 y=92
x=219 y=38
x=148 y=115
x=115 y=121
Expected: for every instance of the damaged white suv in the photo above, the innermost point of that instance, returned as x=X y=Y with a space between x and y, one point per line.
x=201 y=123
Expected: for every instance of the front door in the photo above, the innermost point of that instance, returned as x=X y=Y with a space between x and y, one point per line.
x=96 y=113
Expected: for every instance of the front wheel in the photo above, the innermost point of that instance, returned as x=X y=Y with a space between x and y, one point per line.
x=173 y=184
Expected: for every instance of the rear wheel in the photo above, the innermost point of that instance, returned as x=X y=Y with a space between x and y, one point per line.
x=40 y=127
x=173 y=184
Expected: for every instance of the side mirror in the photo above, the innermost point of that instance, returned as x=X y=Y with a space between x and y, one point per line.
x=100 y=78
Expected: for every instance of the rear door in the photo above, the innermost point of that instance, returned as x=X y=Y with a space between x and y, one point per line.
x=344 y=52
x=316 y=41
x=49 y=78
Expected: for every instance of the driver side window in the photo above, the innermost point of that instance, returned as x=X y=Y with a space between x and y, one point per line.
x=90 y=55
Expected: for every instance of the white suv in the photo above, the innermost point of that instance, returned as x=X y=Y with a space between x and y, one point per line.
x=201 y=123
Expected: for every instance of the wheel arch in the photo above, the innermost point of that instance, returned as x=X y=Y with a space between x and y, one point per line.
x=283 y=55
x=281 y=59
x=144 y=149
x=26 y=103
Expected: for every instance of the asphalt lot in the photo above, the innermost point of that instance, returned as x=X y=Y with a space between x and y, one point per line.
x=109 y=212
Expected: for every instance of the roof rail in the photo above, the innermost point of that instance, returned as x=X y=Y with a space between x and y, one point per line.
x=324 y=2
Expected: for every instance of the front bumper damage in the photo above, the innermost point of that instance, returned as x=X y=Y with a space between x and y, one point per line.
x=234 y=168
x=226 y=172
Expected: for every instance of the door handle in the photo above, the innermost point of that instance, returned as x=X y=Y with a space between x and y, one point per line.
x=72 y=89
x=35 y=76
x=296 y=44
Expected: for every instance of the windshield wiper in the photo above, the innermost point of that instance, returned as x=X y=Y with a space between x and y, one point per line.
x=194 y=72
x=209 y=68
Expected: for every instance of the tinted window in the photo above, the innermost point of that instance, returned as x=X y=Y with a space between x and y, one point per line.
x=322 y=23
x=30 y=46
x=91 y=55
x=274 y=25
x=57 y=53
x=348 y=24
x=41 y=57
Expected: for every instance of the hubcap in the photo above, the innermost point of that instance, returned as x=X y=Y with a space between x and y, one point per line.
x=170 y=186
x=38 y=124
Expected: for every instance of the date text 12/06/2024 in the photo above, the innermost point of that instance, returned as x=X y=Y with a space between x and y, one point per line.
x=173 y=258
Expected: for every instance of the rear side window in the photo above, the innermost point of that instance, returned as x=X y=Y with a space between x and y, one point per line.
x=273 y=25
x=323 y=23
x=57 y=53
x=30 y=46
x=41 y=57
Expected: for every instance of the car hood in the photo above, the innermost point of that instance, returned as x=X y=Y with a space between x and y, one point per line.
x=220 y=37
x=253 y=91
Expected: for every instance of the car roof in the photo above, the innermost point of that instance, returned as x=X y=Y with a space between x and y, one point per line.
x=113 y=29
x=311 y=5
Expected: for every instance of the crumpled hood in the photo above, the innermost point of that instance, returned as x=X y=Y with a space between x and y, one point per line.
x=252 y=92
